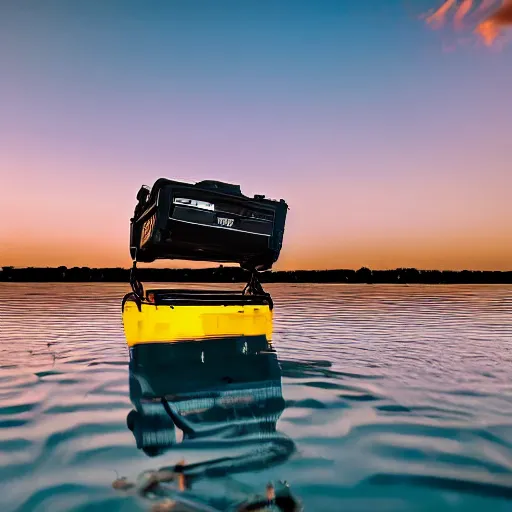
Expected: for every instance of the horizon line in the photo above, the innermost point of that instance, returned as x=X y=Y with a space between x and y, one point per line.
x=338 y=269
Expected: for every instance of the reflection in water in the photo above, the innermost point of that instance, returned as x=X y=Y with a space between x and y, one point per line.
x=222 y=398
x=398 y=398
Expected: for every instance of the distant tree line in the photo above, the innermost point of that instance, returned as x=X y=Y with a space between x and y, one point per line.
x=223 y=274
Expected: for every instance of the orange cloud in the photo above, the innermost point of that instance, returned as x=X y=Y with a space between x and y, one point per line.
x=461 y=13
x=488 y=17
x=438 y=18
x=490 y=28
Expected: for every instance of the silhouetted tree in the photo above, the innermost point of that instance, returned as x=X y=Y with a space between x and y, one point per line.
x=236 y=274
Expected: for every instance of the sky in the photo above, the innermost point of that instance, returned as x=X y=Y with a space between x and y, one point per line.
x=388 y=137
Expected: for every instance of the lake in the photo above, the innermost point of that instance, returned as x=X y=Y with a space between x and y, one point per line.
x=395 y=398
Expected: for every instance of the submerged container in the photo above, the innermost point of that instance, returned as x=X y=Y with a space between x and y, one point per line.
x=229 y=389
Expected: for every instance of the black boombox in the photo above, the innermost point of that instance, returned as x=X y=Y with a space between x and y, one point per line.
x=206 y=221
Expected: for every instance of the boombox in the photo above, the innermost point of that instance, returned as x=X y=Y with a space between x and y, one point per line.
x=206 y=221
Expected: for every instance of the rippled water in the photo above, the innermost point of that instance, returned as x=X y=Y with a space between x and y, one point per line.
x=395 y=398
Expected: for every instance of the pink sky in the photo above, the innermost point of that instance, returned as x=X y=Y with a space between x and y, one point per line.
x=389 y=151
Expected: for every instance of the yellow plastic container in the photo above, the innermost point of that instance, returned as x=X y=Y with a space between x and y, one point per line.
x=171 y=323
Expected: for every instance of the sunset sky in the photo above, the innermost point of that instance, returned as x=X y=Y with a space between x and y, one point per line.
x=390 y=138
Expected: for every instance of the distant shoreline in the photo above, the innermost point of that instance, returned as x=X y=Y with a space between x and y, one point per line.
x=235 y=274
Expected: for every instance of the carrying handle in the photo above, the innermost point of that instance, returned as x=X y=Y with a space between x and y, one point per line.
x=138 y=289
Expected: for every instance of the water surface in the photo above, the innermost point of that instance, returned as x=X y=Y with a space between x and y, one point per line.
x=395 y=398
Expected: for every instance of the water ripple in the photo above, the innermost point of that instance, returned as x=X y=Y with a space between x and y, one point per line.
x=397 y=397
